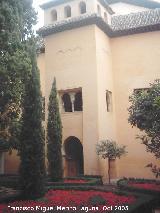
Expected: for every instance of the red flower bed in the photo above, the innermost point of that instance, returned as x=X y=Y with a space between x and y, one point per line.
x=72 y=198
x=149 y=186
x=75 y=181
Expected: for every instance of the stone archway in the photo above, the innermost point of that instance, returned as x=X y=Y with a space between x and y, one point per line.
x=74 y=156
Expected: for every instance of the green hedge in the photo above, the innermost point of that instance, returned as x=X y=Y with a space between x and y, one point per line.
x=90 y=181
x=12 y=181
x=123 y=184
x=9 y=181
x=144 y=203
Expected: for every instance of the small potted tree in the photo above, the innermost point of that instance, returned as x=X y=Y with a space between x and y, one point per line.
x=108 y=149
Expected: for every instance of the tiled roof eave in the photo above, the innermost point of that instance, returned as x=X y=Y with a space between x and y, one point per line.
x=74 y=23
x=93 y=19
x=142 y=29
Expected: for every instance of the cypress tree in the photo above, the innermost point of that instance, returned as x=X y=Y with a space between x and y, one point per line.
x=32 y=168
x=54 y=136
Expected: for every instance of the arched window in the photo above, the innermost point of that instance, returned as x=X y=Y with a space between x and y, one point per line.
x=78 y=102
x=99 y=10
x=67 y=102
x=82 y=7
x=105 y=17
x=67 y=12
x=54 y=15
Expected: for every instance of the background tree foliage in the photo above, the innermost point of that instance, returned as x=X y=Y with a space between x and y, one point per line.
x=144 y=113
x=54 y=137
x=20 y=98
x=16 y=20
x=108 y=149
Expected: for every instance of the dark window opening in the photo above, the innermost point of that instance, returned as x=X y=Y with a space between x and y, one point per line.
x=78 y=102
x=67 y=11
x=99 y=10
x=54 y=15
x=67 y=102
x=82 y=7
x=109 y=101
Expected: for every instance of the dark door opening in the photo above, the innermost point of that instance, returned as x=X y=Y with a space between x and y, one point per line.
x=74 y=156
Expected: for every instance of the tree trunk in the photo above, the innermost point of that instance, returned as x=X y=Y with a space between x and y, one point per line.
x=112 y=174
x=109 y=177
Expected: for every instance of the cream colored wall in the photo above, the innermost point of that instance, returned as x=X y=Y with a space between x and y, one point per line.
x=87 y=58
x=123 y=8
x=135 y=64
x=90 y=7
x=106 y=120
x=72 y=125
x=71 y=58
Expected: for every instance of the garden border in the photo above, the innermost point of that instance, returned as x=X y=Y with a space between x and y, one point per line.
x=144 y=203
x=123 y=184
x=90 y=181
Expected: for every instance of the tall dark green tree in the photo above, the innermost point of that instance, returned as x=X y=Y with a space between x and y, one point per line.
x=32 y=168
x=54 y=136
x=20 y=98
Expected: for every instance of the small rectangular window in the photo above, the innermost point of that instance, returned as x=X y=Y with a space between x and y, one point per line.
x=109 y=101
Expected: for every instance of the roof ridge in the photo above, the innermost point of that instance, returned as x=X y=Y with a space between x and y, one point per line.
x=140 y=12
x=144 y=21
x=142 y=3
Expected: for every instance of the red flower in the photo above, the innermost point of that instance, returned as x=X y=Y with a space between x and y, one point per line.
x=150 y=186
x=71 y=198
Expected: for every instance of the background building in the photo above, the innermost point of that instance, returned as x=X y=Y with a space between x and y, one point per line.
x=100 y=52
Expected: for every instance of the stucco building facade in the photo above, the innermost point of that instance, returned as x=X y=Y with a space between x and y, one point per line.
x=100 y=52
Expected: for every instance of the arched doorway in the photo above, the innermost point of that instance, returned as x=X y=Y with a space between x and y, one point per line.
x=74 y=156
